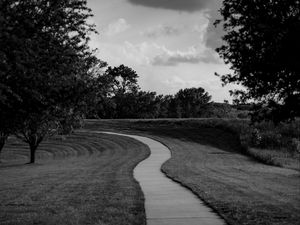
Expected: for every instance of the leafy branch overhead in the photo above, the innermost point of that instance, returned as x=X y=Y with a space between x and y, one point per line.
x=261 y=45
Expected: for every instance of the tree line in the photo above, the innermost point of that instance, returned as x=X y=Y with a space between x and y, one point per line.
x=118 y=95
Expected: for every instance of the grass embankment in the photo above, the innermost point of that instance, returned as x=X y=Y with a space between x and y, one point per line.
x=89 y=181
x=278 y=146
x=207 y=159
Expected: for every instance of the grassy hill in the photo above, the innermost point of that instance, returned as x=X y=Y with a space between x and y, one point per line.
x=85 y=178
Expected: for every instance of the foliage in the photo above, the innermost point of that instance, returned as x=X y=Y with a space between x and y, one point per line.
x=220 y=110
x=8 y=123
x=123 y=78
x=192 y=102
x=267 y=135
x=118 y=95
x=261 y=45
x=46 y=61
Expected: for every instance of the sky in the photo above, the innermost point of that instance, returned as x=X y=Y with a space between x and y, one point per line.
x=169 y=43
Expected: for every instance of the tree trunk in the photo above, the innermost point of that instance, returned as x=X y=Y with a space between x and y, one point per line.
x=32 y=153
x=2 y=142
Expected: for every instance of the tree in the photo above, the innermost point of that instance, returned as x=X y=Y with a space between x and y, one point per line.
x=147 y=105
x=262 y=46
x=124 y=86
x=102 y=104
x=164 y=105
x=192 y=101
x=45 y=62
x=124 y=79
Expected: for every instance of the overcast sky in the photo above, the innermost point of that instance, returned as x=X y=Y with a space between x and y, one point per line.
x=170 y=43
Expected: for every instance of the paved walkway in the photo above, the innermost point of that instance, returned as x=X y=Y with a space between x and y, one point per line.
x=167 y=202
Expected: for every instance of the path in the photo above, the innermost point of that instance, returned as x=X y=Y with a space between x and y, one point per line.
x=167 y=202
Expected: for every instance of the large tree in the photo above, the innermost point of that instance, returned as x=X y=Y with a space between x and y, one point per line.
x=123 y=78
x=262 y=47
x=123 y=88
x=45 y=62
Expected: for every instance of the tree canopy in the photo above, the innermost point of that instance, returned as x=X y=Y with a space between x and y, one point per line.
x=119 y=96
x=45 y=63
x=261 y=45
x=192 y=101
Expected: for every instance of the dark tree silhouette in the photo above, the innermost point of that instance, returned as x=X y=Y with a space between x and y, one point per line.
x=192 y=102
x=147 y=105
x=124 y=87
x=45 y=62
x=262 y=46
x=8 y=123
x=124 y=79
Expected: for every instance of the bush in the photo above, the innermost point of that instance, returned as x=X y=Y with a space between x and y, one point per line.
x=294 y=146
x=266 y=139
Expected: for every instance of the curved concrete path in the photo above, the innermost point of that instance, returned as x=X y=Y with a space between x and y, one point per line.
x=167 y=202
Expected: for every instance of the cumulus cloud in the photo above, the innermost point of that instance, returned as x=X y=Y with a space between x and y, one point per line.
x=161 y=30
x=193 y=55
x=214 y=34
x=158 y=55
x=137 y=53
x=177 y=82
x=210 y=7
x=201 y=30
x=117 y=27
x=179 y=5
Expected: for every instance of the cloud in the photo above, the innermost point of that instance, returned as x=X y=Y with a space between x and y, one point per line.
x=162 y=30
x=193 y=56
x=117 y=27
x=214 y=34
x=158 y=55
x=137 y=53
x=175 y=30
x=179 y=5
x=209 y=7
x=178 y=83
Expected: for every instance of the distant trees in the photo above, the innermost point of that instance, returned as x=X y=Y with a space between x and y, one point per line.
x=262 y=46
x=45 y=65
x=119 y=96
x=123 y=78
x=124 y=90
x=192 y=102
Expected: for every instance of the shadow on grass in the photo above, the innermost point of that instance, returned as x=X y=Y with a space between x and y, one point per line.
x=218 y=137
x=4 y=165
x=206 y=136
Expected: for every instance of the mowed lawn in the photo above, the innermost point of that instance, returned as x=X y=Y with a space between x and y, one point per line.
x=208 y=161
x=85 y=179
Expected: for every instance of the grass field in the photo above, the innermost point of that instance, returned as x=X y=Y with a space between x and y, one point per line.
x=208 y=160
x=85 y=179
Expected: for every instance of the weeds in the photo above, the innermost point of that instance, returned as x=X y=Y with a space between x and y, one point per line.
x=274 y=145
